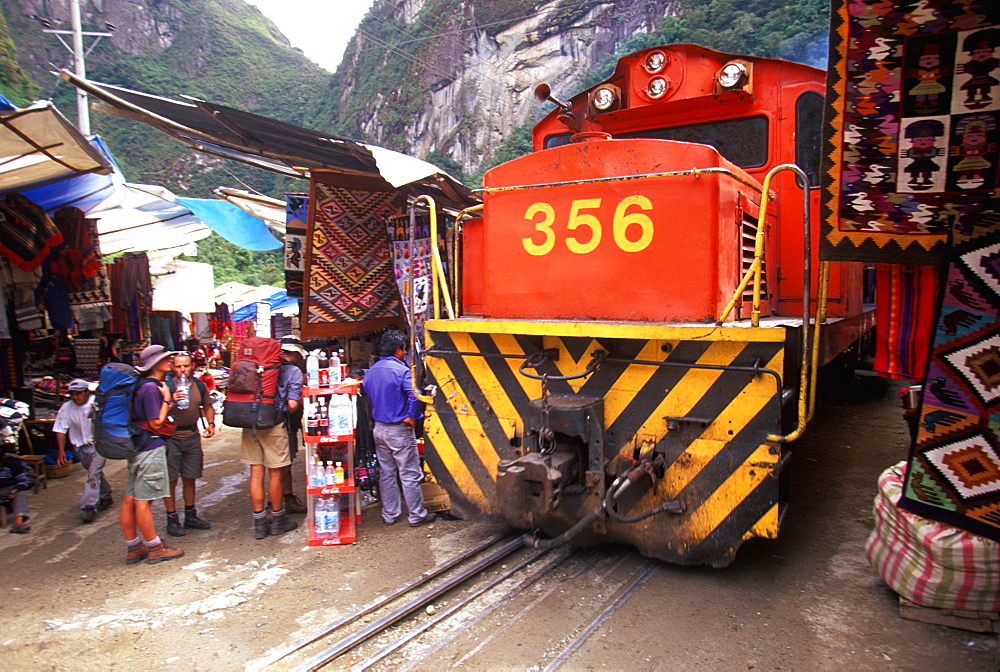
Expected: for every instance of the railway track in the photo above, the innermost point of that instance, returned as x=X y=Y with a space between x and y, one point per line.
x=492 y=602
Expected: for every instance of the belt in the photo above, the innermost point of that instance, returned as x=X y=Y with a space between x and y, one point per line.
x=189 y=428
x=390 y=423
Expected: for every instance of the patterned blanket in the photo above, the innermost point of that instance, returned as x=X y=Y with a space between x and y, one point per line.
x=350 y=281
x=953 y=473
x=912 y=141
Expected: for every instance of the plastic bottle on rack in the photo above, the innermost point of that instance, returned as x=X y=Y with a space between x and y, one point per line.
x=317 y=475
x=324 y=369
x=312 y=422
x=333 y=516
x=343 y=365
x=184 y=387
x=322 y=516
x=340 y=418
x=338 y=474
x=323 y=422
x=335 y=375
x=312 y=369
x=329 y=478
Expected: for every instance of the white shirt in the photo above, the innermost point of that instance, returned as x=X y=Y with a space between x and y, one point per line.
x=75 y=420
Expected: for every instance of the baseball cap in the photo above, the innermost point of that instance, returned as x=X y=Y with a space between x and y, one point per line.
x=78 y=385
x=151 y=356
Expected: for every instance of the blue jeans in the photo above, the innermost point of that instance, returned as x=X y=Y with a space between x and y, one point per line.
x=396 y=450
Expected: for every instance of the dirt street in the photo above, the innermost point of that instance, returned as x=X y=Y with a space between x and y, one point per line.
x=808 y=601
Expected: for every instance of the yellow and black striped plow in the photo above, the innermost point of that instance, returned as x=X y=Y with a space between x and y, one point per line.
x=702 y=399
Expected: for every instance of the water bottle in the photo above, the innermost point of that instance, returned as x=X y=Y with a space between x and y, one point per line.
x=333 y=517
x=341 y=419
x=312 y=369
x=320 y=517
x=335 y=377
x=338 y=474
x=329 y=477
x=182 y=386
x=317 y=475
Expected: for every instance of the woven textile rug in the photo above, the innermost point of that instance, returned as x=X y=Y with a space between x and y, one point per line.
x=351 y=288
x=296 y=216
x=953 y=473
x=914 y=125
x=905 y=300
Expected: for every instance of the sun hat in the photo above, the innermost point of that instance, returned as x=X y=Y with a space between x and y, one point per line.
x=151 y=356
x=292 y=344
x=78 y=385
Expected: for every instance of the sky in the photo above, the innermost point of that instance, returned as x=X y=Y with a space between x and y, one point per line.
x=320 y=28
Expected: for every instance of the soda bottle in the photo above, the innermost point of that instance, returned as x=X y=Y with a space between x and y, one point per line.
x=324 y=369
x=312 y=369
x=183 y=387
x=338 y=474
x=312 y=421
x=324 y=420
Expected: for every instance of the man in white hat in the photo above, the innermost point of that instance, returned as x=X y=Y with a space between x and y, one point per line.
x=147 y=471
x=74 y=422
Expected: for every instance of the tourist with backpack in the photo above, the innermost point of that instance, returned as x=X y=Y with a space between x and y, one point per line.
x=147 y=470
x=259 y=395
x=74 y=422
x=185 y=457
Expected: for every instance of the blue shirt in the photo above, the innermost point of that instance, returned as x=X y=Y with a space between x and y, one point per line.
x=390 y=391
x=289 y=386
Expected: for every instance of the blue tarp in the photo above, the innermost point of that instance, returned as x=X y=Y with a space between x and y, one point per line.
x=232 y=223
x=6 y=105
x=82 y=191
x=276 y=301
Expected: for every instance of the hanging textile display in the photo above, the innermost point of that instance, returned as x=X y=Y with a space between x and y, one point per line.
x=78 y=257
x=297 y=211
x=953 y=473
x=905 y=299
x=351 y=288
x=131 y=294
x=914 y=125
x=412 y=268
x=27 y=233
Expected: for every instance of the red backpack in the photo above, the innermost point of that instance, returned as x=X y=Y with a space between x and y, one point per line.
x=253 y=380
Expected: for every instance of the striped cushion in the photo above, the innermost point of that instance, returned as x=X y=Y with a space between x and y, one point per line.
x=929 y=563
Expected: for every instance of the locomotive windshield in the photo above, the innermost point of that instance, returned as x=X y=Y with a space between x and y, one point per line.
x=742 y=141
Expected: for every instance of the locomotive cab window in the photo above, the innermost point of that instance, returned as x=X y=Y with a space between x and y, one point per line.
x=557 y=140
x=742 y=141
x=808 y=132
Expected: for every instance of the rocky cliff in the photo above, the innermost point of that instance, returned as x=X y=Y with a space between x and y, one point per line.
x=451 y=79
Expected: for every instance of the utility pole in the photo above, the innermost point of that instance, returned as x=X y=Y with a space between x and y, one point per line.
x=79 y=67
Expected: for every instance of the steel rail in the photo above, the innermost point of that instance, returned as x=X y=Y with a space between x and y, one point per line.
x=349 y=642
x=465 y=600
x=377 y=603
x=603 y=616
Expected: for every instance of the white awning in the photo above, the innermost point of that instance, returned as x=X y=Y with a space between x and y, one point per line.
x=39 y=146
x=142 y=217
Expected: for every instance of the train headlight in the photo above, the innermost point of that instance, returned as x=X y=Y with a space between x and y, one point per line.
x=654 y=61
x=732 y=75
x=604 y=98
x=657 y=87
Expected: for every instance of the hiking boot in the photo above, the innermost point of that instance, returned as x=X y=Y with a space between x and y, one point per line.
x=161 y=553
x=174 y=527
x=105 y=503
x=426 y=520
x=138 y=554
x=261 y=528
x=192 y=520
x=294 y=505
x=281 y=524
x=88 y=513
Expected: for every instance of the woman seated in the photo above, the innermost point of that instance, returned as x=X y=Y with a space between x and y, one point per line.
x=15 y=481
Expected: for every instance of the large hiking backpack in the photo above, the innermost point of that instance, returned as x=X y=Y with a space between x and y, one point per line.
x=253 y=380
x=117 y=435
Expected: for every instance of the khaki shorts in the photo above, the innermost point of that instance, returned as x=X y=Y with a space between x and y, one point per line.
x=147 y=475
x=269 y=447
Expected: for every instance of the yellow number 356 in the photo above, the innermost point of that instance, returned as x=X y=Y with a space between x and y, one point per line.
x=543 y=216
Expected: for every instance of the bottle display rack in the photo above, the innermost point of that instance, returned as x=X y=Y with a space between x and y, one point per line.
x=330 y=498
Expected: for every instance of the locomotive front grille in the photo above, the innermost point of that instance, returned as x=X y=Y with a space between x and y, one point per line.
x=748 y=236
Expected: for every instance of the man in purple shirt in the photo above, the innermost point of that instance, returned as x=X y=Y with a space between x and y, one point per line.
x=147 y=471
x=389 y=388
